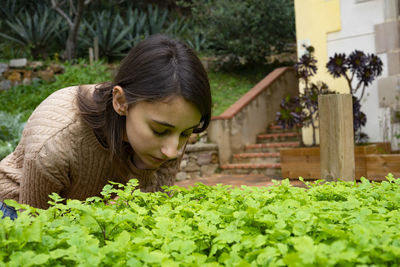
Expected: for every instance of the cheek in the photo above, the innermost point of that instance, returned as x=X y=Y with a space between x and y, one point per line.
x=140 y=137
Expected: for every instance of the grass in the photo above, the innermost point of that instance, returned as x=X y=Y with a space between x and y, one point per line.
x=24 y=99
x=226 y=89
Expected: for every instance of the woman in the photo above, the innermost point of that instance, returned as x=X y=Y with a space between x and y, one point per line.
x=137 y=126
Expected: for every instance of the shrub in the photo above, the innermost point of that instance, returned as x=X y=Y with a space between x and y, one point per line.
x=11 y=128
x=110 y=30
x=245 y=31
x=33 y=31
x=327 y=224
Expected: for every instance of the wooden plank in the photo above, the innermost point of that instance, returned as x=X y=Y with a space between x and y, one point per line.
x=379 y=165
x=299 y=152
x=304 y=162
x=336 y=137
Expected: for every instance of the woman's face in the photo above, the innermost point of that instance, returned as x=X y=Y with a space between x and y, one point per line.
x=158 y=130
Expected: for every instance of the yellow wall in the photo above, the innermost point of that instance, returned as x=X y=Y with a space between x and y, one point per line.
x=314 y=20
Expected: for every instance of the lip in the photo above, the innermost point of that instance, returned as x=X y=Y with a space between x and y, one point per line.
x=157 y=159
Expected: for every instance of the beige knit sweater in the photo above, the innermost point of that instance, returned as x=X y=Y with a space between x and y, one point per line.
x=58 y=152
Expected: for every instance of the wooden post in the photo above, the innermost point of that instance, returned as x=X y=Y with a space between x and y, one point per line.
x=336 y=137
x=96 y=48
x=90 y=55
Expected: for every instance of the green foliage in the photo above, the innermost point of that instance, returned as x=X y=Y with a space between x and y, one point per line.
x=156 y=19
x=246 y=31
x=118 y=31
x=110 y=29
x=137 y=21
x=33 y=32
x=330 y=224
x=24 y=99
x=11 y=128
x=17 y=103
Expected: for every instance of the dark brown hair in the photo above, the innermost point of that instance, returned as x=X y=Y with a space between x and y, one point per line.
x=154 y=70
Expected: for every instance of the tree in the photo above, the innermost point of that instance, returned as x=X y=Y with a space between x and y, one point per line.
x=245 y=32
x=73 y=18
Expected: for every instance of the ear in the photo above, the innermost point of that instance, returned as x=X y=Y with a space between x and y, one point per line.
x=119 y=101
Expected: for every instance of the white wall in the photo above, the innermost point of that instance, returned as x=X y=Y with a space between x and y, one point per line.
x=358 y=19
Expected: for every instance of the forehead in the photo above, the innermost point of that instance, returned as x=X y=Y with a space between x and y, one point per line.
x=174 y=110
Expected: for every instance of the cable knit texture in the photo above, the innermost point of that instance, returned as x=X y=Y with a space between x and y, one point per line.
x=58 y=152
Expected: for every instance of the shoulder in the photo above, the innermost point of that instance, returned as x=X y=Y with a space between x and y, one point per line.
x=55 y=122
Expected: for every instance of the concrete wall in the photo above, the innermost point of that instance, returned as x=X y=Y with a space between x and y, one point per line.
x=251 y=114
x=387 y=42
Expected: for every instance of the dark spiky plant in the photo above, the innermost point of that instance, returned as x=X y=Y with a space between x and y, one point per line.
x=33 y=31
x=111 y=30
x=303 y=109
x=358 y=68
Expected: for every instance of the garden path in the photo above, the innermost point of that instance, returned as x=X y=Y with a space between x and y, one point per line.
x=235 y=180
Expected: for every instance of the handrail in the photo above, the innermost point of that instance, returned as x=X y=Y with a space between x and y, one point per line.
x=252 y=94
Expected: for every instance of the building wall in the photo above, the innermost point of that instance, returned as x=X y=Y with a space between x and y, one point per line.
x=341 y=26
x=314 y=20
x=358 y=20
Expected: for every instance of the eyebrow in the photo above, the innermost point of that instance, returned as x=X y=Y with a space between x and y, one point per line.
x=172 y=126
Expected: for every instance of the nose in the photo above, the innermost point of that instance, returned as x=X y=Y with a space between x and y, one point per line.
x=170 y=148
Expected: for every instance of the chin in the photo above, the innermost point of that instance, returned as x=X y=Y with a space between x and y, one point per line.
x=147 y=164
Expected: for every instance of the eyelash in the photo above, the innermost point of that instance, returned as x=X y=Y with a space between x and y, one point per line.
x=159 y=134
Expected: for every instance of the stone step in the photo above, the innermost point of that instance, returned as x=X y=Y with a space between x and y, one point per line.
x=280 y=129
x=272 y=157
x=252 y=168
x=271 y=147
x=275 y=137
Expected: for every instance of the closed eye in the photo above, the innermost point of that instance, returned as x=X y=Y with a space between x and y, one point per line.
x=165 y=132
x=162 y=133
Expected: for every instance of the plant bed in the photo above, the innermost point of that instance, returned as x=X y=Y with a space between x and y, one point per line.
x=305 y=162
x=330 y=224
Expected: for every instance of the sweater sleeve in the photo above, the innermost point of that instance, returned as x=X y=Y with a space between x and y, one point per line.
x=47 y=171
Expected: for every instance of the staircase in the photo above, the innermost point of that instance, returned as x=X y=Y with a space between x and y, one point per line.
x=263 y=157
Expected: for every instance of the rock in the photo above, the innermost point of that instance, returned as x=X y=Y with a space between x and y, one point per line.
x=56 y=68
x=14 y=76
x=18 y=63
x=36 y=65
x=36 y=80
x=208 y=169
x=193 y=175
x=192 y=157
x=46 y=75
x=181 y=176
x=183 y=164
x=5 y=85
x=201 y=147
x=16 y=83
x=27 y=74
x=204 y=158
x=191 y=166
x=214 y=158
x=3 y=68
x=27 y=81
